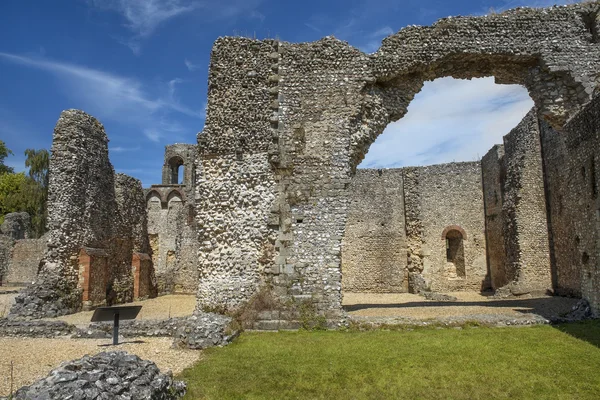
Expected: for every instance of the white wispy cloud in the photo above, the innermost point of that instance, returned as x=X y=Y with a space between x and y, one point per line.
x=121 y=149
x=191 y=66
x=450 y=120
x=112 y=96
x=144 y=17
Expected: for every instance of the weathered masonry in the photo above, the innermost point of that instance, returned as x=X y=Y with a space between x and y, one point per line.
x=97 y=240
x=171 y=225
x=287 y=124
x=414 y=229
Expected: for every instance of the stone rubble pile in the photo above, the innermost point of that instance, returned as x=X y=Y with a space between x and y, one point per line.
x=35 y=329
x=109 y=375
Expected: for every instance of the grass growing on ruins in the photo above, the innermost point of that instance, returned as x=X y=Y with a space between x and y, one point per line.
x=539 y=362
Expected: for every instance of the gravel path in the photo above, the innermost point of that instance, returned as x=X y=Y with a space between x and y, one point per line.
x=35 y=358
x=163 y=307
x=468 y=304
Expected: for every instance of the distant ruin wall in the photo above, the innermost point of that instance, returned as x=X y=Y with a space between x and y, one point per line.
x=527 y=262
x=493 y=176
x=87 y=207
x=450 y=198
x=374 y=252
x=25 y=260
x=573 y=179
x=173 y=239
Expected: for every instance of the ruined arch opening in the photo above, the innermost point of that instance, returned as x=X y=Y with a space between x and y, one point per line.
x=177 y=170
x=422 y=175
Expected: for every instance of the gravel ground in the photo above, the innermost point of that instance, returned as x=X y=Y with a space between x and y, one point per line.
x=176 y=305
x=468 y=304
x=35 y=358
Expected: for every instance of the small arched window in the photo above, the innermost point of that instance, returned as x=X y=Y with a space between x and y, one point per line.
x=176 y=165
x=455 y=251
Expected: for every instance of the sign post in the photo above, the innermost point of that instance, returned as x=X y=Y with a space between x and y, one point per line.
x=115 y=314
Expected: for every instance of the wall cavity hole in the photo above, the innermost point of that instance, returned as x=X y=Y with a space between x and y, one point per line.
x=299 y=220
x=585 y=258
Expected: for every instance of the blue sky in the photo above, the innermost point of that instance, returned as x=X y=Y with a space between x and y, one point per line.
x=140 y=67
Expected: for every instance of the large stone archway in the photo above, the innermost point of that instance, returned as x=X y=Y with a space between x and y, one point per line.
x=287 y=124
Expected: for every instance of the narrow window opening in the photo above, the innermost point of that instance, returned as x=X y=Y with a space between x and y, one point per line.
x=455 y=251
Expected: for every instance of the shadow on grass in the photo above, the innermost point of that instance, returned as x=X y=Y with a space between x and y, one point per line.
x=547 y=307
x=588 y=331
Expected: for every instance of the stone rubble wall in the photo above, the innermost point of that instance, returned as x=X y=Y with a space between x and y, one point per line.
x=88 y=206
x=25 y=259
x=493 y=177
x=16 y=225
x=173 y=238
x=553 y=52
x=450 y=197
x=374 y=249
x=287 y=125
x=527 y=262
x=235 y=188
x=572 y=171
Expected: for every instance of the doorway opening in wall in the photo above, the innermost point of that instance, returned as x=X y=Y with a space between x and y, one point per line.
x=416 y=222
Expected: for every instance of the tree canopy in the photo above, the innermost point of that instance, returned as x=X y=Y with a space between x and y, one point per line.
x=21 y=192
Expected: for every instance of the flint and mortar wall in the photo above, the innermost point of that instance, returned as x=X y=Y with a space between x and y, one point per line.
x=288 y=123
x=493 y=177
x=88 y=206
x=235 y=183
x=443 y=196
x=374 y=245
x=573 y=179
x=526 y=243
x=25 y=260
x=173 y=238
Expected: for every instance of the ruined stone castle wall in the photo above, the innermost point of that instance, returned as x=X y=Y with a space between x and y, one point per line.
x=573 y=180
x=88 y=208
x=288 y=123
x=374 y=252
x=527 y=262
x=449 y=198
x=564 y=253
x=320 y=109
x=173 y=238
x=493 y=176
x=235 y=188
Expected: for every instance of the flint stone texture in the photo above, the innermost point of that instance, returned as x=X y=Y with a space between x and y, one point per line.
x=198 y=331
x=35 y=329
x=518 y=248
x=108 y=375
x=396 y=227
x=16 y=225
x=287 y=124
x=88 y=206
x=572 y=173
x=25 y=259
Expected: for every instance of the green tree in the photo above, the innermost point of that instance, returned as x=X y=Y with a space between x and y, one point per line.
x=4 y=152
x=12 y=190
x=36 y=191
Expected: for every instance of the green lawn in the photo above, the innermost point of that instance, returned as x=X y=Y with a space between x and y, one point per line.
x=541 y=362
